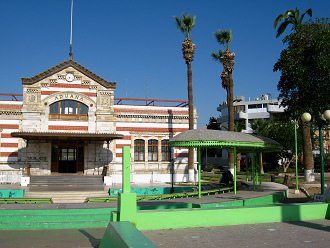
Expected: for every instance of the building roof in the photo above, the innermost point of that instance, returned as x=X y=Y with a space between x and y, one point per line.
x=67 y=136
x=223 y=139
x=59 y=67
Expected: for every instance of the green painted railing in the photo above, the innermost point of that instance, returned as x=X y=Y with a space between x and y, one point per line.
x=163 y=196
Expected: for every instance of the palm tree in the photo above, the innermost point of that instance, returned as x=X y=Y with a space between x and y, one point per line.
x=227 y=58
x=294 y=18
x=185 y=24
x=290 y=17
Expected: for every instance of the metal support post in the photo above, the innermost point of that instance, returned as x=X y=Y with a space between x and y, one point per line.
x=296 y=155
x=199 y=172
x=235 y=164
x=321 y=157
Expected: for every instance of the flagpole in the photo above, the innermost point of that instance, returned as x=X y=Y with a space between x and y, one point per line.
x=70 y=53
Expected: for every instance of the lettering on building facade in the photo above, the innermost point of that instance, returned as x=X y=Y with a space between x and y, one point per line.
x=71 y=96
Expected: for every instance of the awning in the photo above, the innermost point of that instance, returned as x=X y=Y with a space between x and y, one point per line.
x=67 y=136
x=202 y=138
x=236 y=141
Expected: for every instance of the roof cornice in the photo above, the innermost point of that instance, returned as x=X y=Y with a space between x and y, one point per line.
x=59 y=67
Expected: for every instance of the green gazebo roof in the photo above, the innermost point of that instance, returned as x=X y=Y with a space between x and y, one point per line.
x=200 y=138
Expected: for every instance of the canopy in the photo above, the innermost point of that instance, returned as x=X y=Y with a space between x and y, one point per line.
x=199 y=138
x=206 y=138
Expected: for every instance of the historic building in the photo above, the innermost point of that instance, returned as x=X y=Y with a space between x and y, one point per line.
x=69 y=121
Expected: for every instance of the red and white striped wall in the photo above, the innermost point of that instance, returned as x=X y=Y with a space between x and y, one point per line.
x=8 y=144
x=147 y=122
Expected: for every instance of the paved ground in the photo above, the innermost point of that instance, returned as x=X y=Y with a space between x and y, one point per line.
x=65 y=238
x=290 y=235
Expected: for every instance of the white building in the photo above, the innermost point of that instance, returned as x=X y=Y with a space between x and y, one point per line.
x=249 y=110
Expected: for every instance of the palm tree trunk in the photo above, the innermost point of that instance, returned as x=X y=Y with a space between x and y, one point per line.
x=308 y=154
x=238 y=162
x=231 y=126
x=191 y=171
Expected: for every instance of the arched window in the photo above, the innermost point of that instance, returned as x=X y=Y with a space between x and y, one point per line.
x=152 y=150
x=68 y=109
x=166 y=150
x=139 y=150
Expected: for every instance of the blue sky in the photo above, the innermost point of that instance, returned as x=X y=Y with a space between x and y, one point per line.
x=137 y=44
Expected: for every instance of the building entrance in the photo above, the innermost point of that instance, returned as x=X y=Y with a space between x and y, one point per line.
x=67 y=158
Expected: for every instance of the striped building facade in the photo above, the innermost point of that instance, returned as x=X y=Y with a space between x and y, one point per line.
x=69 y=121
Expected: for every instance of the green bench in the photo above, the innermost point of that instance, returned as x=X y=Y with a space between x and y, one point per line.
x=26 y=200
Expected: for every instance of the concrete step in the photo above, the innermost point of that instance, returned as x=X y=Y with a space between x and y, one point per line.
x=66 y=180
x=65 y=187
x=66 y=196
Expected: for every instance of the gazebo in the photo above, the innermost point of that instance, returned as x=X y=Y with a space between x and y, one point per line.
x=236 y=141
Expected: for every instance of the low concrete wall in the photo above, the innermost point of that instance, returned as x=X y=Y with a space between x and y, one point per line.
x=153 y=190
x=11 y=193
x=230 y=216
x=124 y=235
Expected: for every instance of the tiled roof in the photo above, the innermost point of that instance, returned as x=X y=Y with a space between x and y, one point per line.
x=62 y=66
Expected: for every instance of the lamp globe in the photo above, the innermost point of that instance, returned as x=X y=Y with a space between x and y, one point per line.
x=306 y=117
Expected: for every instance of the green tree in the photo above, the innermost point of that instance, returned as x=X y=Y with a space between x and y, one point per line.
x=213 y=124
x=185 y=24
x=292 y=17
x=227 y=59
x=282 y=132
x=305 y=77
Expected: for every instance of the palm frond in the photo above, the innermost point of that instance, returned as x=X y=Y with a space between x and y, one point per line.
x=277 y=20
x=282 y=28
x=179 y=24
x=291 y=13
x=185 y=23
x=308 y=12
x=218 y=56
x=291 y=16
x=224 y=37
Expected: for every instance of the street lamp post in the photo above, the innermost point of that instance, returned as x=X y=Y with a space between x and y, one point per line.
x=296 y=155
x=321 y=122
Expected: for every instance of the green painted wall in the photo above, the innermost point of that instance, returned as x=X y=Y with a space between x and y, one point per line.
x=177 y=215
x=11 y=193
x=168 y=206
x=237 y=203
x=229 y=216
x=269 y=199
x=152 y=191
x=54 y=219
